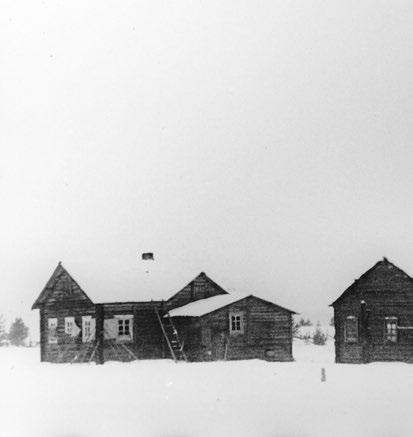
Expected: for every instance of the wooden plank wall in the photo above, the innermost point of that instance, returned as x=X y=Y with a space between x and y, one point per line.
x=386 y=295
x=267 y=334
x=67 y=349
x=66 y=292
x=200 y=288
x=147 y=343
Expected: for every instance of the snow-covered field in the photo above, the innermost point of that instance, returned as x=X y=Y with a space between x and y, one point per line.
x=244 y=398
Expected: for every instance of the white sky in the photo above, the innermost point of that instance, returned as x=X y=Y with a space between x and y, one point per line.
x=267 y=143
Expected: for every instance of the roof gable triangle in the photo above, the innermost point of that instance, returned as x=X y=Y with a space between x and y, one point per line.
x=68 y=288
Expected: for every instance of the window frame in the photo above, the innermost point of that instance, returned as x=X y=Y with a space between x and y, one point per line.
x=239 y=324
x=121 y=322
x=69 y=325
x=347 y=338
x=52 y=323
x=391 y=337
x=88 y=322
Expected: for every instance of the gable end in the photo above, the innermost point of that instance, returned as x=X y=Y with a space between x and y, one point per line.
x=382 y=270
x=251 y=297
x=61 y=287
x=200 y=287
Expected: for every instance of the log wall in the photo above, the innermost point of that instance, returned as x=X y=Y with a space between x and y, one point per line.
x=267 y=333
x=147 y=341
x=200 y=288
x=388 y=292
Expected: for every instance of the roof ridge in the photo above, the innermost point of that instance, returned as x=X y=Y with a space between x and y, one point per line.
x=383 y=261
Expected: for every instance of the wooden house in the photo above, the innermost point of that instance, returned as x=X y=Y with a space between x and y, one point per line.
x=234 y=326
x=374 y=317
x=73 y=328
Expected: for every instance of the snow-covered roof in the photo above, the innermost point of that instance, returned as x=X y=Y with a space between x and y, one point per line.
x=138 y=282
x=205 y=306
x=143 y=281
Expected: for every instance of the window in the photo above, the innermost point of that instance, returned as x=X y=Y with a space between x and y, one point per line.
x=390 y=329
x=69 y=325
x=236 y=323
x=52 y=325
x=125 y=327
x=88 y=329
x=351 y=330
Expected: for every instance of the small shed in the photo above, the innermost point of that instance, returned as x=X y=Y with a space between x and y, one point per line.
x=374 y=317
x=234 y=326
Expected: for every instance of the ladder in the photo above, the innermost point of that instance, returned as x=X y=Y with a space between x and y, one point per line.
x=170 y=333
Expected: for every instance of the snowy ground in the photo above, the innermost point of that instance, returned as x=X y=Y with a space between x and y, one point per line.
x=244 y=398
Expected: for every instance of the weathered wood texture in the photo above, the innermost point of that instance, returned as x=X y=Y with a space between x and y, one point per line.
x=267 y=333
x=62 y=297
x=199 y=288
x=387 y=292
x=267 y=328
x=61 y=289
x=147 y=340
x=67 y=348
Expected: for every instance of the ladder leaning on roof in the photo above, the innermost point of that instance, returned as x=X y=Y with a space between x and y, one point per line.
x=171 y=336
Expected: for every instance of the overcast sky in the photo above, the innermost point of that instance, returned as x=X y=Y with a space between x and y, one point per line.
x=268 y=143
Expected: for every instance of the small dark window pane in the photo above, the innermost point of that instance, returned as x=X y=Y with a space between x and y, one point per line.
x=236 y=323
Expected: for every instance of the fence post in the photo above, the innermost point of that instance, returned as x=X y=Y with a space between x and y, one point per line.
x=323 y=374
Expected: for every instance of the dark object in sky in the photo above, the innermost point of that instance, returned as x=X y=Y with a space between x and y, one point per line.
x=147 y=256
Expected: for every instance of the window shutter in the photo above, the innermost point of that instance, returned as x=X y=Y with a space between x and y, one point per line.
x=92 y=329
x=76 y=330
x=241 y=331
x=110 y=327
x=52 y=330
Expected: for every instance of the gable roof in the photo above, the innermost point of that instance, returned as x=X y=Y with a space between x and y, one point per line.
x=133 y=283
x=204 y=276
x=202 y=307
x=48 y=288
x=120 y=281
x=382 y=264
x=130 y=283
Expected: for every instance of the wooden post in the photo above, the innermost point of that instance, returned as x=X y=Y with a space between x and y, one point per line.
x=166 y=336
x=162 y=338
x=99 y=337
